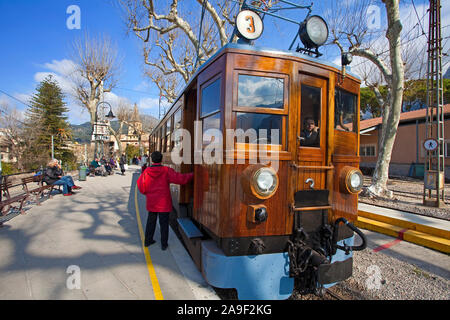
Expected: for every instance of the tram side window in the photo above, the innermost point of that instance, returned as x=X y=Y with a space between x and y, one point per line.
x=157 y=148
x=161 y=139
x=211 y=98
x=177 y=125
x=310 y=116
x=345 y=118
x=211 y=122
x=210 y=109
x=168 y=134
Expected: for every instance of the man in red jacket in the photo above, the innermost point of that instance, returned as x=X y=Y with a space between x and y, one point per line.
x=154 y=182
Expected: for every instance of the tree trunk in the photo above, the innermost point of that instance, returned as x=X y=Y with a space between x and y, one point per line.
x=392 y=112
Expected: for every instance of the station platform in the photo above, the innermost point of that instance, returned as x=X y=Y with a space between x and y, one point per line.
x=89 y=246
x=422 y=230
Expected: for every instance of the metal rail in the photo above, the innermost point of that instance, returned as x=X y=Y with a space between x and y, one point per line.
x=335 y=295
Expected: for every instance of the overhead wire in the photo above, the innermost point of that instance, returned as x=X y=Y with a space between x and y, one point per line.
x=415 y=10
x=12 y=97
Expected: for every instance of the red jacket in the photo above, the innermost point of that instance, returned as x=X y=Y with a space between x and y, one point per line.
x=155 y=182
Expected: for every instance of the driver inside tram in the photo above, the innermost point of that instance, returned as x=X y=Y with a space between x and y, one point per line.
x=310 y=135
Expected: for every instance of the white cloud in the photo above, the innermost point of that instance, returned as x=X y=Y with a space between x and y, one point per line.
x=64 y=83
x=65 y=67
x=151 y=106
x=149 y=103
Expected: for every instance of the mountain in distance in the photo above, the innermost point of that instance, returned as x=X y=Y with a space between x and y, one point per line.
x=447 y=74
x=81 y=133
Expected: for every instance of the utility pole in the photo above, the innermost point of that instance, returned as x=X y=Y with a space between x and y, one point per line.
x=53 y=149
x=159 y=108
x=434 y=134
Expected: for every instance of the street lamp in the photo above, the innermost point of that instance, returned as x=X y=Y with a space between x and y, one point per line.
x=109 y=117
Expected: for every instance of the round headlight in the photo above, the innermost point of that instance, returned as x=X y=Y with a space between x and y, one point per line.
x=352 y=179
x=313 y=32
x=265 y=182
x=355 y=181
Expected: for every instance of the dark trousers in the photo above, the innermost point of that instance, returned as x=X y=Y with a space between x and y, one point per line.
x=163 y=225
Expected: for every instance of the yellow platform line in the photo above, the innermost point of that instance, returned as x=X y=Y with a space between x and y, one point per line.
x=406 y=224
x=414 y=236
x=148 y=259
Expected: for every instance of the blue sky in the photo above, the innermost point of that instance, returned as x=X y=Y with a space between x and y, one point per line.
x=36 y=42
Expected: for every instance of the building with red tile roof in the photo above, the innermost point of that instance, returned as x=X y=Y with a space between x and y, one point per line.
x=408 y=147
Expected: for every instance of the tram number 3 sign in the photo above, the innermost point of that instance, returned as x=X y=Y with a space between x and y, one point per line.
x=249 y=24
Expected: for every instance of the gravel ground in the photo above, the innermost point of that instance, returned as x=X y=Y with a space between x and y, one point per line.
x=380 y=277
x=408 y=196
x=377 y=276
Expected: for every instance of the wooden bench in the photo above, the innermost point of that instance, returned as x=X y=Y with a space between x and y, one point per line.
x=8 y=201
x=39 y=190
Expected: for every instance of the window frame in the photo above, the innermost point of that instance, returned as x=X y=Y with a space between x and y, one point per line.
x=356 y=119
x=365 y=147
x=237 y=108
x=323 y=85
x=178 y=110
x=202 y=87
x=219 y=111
x=168 y=135
x=276 y=111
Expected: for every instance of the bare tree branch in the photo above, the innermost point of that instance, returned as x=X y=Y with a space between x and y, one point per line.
x=96 y=72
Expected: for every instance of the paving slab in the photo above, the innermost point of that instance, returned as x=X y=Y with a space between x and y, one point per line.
x=89 y=246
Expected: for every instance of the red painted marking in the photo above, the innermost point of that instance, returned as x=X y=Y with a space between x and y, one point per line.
x=392 y=243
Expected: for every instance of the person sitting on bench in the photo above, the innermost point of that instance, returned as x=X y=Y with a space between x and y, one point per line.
x=53 y=174
x=105 y=163
x=98 y=167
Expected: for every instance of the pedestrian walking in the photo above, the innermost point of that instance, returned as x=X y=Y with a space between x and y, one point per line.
x=144 y=163
x=154 y=182
x=122 y=162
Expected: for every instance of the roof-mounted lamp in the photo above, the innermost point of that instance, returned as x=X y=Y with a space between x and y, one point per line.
x=346 y=59
x=313 y=33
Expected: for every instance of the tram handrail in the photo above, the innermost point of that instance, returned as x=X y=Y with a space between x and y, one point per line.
x=312 y=167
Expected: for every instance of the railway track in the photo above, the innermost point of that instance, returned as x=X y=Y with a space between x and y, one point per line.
x=335 y=295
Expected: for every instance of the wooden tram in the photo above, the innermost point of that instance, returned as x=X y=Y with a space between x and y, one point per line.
x=248 y=226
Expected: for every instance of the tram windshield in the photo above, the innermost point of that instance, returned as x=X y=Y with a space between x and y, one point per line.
x=264 y=128
x=260 y=92
x=261 y=109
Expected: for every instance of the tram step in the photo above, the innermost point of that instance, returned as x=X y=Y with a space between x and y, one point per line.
x=189 y=228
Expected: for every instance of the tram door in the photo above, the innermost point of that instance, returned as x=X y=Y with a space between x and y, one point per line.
x=311 y=134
